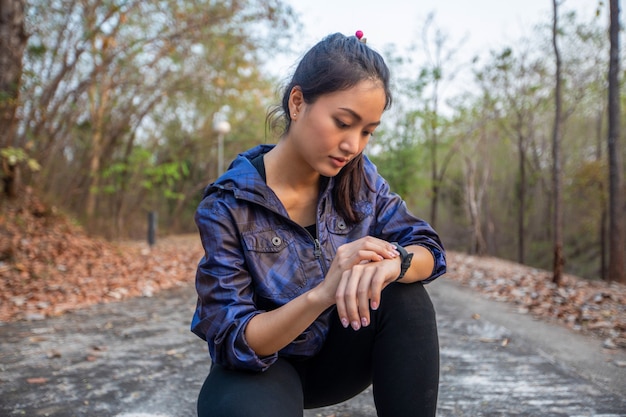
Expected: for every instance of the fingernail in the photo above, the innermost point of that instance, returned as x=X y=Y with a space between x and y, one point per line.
x=356 y=325
x=344 y=322
x=364 y=321
x=374 y=305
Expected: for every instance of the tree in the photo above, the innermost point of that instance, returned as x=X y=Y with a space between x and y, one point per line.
x=428 y=89
x=106 y=80
x=477 y=173
x=583 y=48
x=13 y=39
x=557 y=221
x=512 y=87
x=616 y=199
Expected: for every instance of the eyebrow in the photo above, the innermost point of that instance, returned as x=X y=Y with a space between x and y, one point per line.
x=358 y=116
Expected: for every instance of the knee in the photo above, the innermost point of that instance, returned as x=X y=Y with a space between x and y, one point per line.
x=228 y=393
x=407 y=308
x=408 y=299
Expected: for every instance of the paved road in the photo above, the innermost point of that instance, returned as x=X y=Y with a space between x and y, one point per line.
x=137 y=358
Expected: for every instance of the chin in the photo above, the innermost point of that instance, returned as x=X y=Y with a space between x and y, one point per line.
x=329 y=172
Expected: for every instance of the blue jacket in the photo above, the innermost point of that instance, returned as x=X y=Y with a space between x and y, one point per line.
x=257 y=259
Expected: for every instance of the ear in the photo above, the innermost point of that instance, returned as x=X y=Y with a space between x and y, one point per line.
x=296 y=100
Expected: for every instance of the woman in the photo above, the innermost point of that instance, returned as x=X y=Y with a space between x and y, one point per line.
x=311 y=287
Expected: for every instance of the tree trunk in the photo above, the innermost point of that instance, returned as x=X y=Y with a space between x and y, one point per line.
x=603 y=205
x=434 y=203
x=603 y=249
x=434 y=169
x=94 y=175
x=473 y=199
x=616 y=198
x=13 y=40
x=559 y=260
x=521 y=230
x=99 y=93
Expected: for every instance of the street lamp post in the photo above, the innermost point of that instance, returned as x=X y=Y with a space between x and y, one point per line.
x=221 y=128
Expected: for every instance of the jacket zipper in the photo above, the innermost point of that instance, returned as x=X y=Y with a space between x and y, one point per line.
x=317 y=250
x=317 y=246
x=318 y=255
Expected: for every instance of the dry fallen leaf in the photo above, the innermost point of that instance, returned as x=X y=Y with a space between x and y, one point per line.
x=54 y=354
x=39 y=380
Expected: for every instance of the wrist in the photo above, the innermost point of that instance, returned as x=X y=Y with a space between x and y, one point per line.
x=318 y=298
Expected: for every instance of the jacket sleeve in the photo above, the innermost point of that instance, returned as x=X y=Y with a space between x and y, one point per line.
x=395 y=223
x=225 y=302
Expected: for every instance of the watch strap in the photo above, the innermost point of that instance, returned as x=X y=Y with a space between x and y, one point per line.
x=405 y=258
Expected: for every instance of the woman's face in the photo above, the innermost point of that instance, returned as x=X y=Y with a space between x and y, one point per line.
x=336 y=127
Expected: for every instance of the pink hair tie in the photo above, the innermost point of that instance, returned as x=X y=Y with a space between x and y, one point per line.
x=359 y=36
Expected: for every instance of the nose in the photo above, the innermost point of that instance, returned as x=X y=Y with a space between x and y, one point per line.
x=350 y=143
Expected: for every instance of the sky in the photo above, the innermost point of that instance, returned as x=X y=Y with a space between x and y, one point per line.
x=485 y=24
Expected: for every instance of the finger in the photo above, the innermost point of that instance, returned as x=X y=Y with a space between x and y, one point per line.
x=367 y=249
x=374 y=253
x=340 y=303
x=349 y=255
x=376 y=287
x=363 y=295
x=350 y=298
x=381 y=247
x=367 y=255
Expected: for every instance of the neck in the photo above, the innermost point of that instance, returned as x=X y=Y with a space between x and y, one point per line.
x=294 y=182
x=285 y=168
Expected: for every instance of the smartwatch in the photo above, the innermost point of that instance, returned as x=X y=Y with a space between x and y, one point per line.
x=405 y=257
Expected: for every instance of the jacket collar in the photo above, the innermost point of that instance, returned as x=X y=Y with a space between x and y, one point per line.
x=245 y=182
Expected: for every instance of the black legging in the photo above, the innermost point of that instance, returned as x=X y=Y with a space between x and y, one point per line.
x=398 y=353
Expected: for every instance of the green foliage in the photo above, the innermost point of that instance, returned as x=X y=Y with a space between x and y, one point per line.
x=155 y=177
x=401 y=158
x=36 y=50
x=16 y=156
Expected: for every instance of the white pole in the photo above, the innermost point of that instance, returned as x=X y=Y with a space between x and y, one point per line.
x=220 y=154
x=222 y=128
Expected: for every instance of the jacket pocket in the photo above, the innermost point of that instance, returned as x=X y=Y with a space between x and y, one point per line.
x=274 y=264
x=339 y=231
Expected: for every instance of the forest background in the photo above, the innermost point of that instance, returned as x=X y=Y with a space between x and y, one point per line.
x=119 y=100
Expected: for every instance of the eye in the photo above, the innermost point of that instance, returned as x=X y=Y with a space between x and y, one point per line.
x=341 y=124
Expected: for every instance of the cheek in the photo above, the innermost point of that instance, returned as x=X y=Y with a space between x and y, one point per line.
x=320 y=135
x=364 y=142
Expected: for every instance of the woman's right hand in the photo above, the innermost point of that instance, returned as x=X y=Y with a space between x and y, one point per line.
x=343 y=275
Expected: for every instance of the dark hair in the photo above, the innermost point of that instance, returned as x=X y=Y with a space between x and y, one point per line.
x=337 y=63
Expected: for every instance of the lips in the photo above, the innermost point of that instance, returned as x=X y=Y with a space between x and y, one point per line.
x=340 y=162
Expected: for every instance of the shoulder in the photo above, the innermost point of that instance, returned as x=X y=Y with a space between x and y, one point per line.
x=373 y=177
x=368 y=166
x=241 y=177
